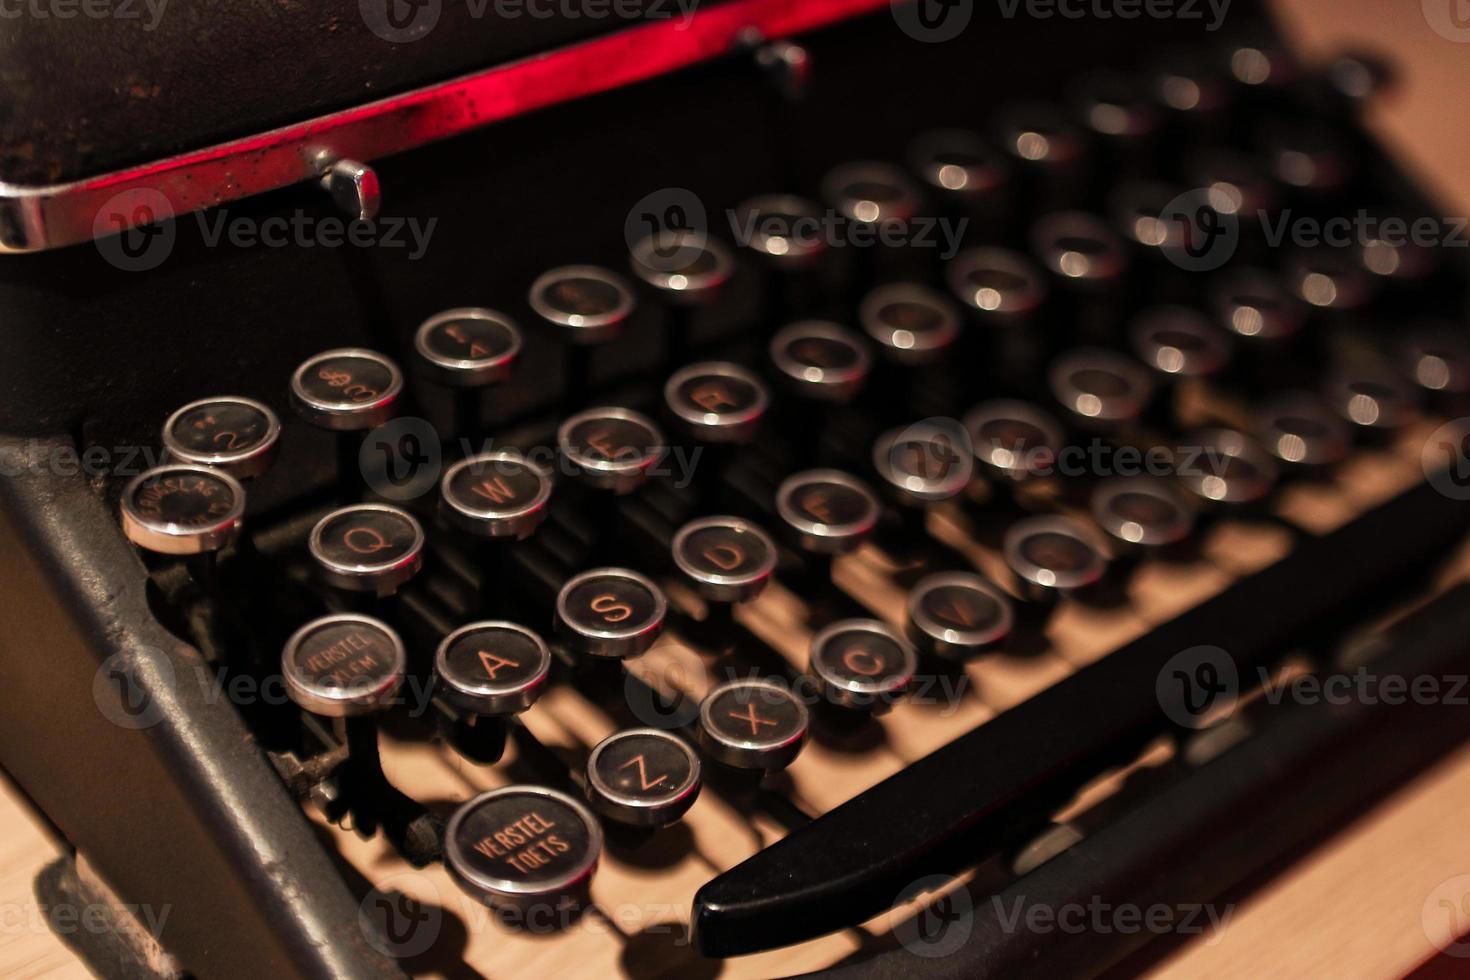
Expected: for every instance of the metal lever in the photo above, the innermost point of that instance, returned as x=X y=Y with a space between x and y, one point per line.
x=354 y=188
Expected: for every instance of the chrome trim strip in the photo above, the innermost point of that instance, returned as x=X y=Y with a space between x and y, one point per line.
x=37 y=218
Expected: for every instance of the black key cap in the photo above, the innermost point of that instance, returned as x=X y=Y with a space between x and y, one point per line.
x=611 y=448
x=1222 y=467
x=1013 y=441
x=468 y=347
x=491 y=668
x=862 y=664
x=179 y=509
x=955 y=615
x=613 y=613
x=726 y=559
x=912 y=324
x=374 y=548
x=495 y=495
x=750 y=724
x=346 y=390
x=717 y=401
x=643 y=777
x=528 y=849
x=1052 y=557
x=1371 y=398
x=827 y=511
x=1177 y=343
x=237 y=435
x=850 y=863
x=1301 y=433
x=344 y=665
x=820 y=360
x=1140 y=513
x=1102 y=391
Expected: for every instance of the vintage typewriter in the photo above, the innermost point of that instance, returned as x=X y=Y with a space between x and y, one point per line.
x=748 y=489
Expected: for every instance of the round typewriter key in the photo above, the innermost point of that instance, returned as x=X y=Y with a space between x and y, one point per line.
x=717 y=401
x=348 y=389
x=955 y=615
x=1371 y=398
x=1227 y=468
x=829 y=511
x=468 y=348
x=610 y=612
x=911 y=323
x=1330 y=279
x=1187 y=84
x=492 y=668
x=368 y=548
x=862 y=663
x=783 y=229
x=924 y=463
x=526 y=848
x=237 y=435
x=1307 y=157
x=1111 y=105
x=753 y=725
x=1101 y=389
x=868 y=192
x=1260 y=63
x=343 y=665
x=179 y=509
x=1394 y=252
x=686 y=267
x=995 y=283
x=1177 y=342
x=611 y=448
x=590 y=304
x=1234 y=183
x=1037 y=134
x=495 y=495
x=1079 y=249
x=821 y=360
x=1052 y=556
x=1297 y=430
x=1436 y=358
x=727 y=559
x=1251 y=304
x=1138 y=210
x=1142 y=512
x=643 y=777
x=957 y=162
x=1013 y=440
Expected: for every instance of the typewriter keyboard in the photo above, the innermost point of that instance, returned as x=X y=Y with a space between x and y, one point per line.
x=819 y=490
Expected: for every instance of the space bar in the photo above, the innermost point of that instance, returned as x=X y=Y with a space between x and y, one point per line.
x=852 y=862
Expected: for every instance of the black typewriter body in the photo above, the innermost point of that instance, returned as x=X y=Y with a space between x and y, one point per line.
x=179 y=797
